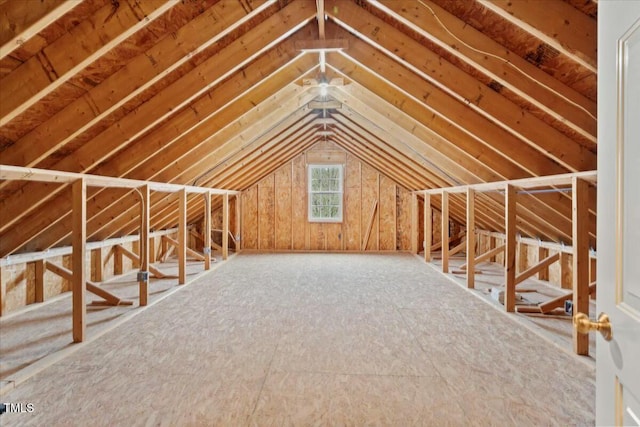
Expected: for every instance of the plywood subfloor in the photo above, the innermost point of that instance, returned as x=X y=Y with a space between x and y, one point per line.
x=556 y=327
x=31 y=335
x=314 y=339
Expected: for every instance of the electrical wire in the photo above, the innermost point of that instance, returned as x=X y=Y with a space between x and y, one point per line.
x=489 y=54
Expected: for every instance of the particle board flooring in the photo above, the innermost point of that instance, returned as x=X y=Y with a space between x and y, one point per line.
x=556 y=326
x=30 y=336
x=314 y=339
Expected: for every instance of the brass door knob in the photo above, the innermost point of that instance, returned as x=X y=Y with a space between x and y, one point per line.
x=583 y=325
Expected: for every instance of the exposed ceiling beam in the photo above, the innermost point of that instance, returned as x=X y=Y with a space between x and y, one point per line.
x=463 y=88
x=183 y=159
x=556 y=23
x=450 y=119
x=72 y=53
x=132 y=80
x=22 y=20
x=179 y=95
x=499 y=64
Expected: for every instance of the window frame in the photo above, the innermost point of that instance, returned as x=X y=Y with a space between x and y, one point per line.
x=311 y=193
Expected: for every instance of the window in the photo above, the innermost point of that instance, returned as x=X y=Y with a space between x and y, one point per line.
x=325 y=193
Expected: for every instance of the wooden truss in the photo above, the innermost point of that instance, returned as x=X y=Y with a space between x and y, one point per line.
x=77 y=274
x=579 y=185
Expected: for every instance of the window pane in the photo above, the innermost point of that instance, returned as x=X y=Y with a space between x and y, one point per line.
x=325 y=192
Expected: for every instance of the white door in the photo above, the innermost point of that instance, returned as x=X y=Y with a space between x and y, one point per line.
x=618 y=360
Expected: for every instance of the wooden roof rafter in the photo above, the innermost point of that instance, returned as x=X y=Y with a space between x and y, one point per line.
x=536 y=87
x=120 y=88
x=71 y=53
x=86 y=158
x=383 y=145
x=199 y=113
x=444 y=116
x=558 y=24
x=193 y=152
x=459 y=87
x=27 y=20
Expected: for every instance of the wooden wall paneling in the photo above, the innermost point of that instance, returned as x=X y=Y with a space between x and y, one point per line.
x=580 y=260
x=403 y=198
x=510 y=250
x=299 y=214
x=436 y=220
x=543 y=253
x=531 y=271
x=414 y=223
x=334 y=236
x=317 y=237
x=283 y=207
x=79 y=285
x=153 y=249
x=17 y=286
x=118 y=263
x=521 y=257
x=352 y=204
x=492 y=245
x=266 y=213
x=387 y=218
x=420 y=225
x=97 y=265
x=182 y=236
x=565 y=271
x=370 y=207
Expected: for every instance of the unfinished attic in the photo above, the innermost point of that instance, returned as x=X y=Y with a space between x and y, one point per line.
x=252 y=212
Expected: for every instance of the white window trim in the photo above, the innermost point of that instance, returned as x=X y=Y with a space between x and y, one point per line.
x=311 y=218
